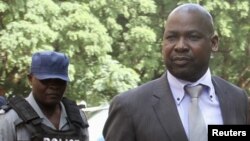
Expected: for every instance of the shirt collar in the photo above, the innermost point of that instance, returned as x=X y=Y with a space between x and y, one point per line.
x=177 y=85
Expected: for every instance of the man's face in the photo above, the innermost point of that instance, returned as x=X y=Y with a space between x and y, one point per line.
x=48 y=91
x=187 y=45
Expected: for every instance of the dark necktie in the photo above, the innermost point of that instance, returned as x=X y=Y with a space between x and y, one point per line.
x=197 y=126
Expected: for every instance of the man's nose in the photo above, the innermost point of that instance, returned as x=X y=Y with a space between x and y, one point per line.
x=181 y=44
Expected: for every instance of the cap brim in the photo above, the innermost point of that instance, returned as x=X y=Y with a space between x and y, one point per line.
x=51 y=76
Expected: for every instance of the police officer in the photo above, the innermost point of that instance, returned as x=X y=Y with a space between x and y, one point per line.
x=44 y=115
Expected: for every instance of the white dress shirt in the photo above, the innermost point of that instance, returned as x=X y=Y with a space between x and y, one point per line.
x=208 y=100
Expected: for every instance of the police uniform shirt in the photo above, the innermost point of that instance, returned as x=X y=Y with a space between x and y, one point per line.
x=11 y=130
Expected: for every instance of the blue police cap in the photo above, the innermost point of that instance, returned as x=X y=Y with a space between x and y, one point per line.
x=49 y=64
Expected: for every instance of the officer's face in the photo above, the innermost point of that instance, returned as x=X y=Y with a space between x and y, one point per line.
x=48 y=91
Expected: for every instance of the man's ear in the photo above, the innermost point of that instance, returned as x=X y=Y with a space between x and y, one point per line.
x=215 y=43
x=29 y=76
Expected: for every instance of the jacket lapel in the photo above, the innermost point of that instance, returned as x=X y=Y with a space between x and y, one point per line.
x=166 y=110
x=225 y=106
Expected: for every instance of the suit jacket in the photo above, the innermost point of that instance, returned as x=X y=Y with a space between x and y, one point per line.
x=248 y=117
x=149 y=112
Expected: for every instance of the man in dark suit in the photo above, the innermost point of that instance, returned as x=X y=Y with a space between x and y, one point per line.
x=248 y=117
x=158 y=110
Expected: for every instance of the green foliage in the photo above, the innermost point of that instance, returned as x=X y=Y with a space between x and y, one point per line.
x=113 y=45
